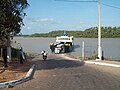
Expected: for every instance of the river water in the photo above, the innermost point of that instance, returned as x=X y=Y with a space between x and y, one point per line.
x=110 y=46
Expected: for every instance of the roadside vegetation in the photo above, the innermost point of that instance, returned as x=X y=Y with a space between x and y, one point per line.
x=107 y=32
x=11 y=20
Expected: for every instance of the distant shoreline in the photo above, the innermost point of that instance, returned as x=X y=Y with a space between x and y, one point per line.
x=106 y=32
x=55 y=37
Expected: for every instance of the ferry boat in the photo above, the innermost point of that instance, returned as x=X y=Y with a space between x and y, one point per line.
x=64 y=43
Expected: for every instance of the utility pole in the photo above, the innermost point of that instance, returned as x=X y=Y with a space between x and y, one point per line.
x=99 y=34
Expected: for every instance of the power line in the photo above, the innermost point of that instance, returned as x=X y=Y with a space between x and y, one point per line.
x=110 y=6
x=89 y=1
x=77 y=0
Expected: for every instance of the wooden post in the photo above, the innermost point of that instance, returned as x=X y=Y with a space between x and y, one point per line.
x=83 y=50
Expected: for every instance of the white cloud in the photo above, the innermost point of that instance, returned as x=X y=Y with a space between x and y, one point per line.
x=27 y=27
x=34 y=25
x=47 y=20
x=43 y=21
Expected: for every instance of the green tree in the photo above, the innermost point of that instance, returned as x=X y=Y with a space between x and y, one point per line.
x=11 y=16
x=106 y=32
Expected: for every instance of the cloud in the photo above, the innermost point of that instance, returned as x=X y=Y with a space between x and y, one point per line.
x=32 y=21
x=46 y=20
x=27 y=27
x=38 y=25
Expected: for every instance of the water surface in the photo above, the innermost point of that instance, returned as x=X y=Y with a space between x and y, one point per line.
x=110 y=46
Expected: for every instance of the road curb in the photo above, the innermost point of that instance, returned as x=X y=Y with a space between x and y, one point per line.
x=12 y=83
x=92 y=62
x=105 y=64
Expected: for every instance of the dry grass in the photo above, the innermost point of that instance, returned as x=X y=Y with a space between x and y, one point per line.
x=14 y=71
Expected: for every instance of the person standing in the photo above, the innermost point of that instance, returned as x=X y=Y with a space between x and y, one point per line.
x=4 y=53
x=21 y=56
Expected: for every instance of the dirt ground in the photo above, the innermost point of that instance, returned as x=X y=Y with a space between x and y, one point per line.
x=14 y=71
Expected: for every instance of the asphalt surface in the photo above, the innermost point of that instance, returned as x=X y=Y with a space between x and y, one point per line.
x=58 y=73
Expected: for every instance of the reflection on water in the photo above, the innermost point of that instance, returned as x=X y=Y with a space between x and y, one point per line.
x=76 y=46
x=110 y=46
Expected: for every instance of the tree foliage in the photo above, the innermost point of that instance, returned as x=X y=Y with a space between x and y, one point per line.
x=106 y=32
x=11 y=15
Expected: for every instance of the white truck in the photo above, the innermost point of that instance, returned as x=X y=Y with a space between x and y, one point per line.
x=58 y=48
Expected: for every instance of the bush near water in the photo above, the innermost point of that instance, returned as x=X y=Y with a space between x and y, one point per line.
x=15 y=53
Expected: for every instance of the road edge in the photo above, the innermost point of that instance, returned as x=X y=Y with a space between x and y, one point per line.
x=12 y=83
x=92 y=62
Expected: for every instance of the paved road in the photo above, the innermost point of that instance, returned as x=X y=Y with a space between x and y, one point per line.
x=58 y=73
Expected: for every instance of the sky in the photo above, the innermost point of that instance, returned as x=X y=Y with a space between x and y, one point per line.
x=44 y=16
